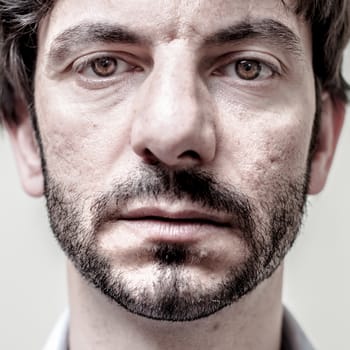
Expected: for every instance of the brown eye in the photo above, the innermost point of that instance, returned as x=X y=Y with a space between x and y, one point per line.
x=104 y=66
x=248 y=69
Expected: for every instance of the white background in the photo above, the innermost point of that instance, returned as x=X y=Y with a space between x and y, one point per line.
x=317 y=281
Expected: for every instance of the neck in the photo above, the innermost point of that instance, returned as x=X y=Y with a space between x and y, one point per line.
x=252 y=323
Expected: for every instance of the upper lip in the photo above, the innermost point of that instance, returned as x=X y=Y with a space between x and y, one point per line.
x=146 y=213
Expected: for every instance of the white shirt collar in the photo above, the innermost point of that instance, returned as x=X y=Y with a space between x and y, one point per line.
x=58 y=339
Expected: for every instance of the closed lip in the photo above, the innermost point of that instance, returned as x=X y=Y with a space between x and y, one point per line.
x=174 y=216
x=170 y=222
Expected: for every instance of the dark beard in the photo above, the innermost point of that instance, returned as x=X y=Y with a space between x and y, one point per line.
x=176 y=299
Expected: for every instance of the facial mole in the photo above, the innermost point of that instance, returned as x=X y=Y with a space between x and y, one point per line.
x=273 y=160
x=216 y=326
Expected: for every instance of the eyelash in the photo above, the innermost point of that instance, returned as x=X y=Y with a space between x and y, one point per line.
x=268 y=70
x=87 y=62
x=232 y=59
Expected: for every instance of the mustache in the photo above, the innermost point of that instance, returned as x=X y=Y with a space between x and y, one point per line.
x=196 y=186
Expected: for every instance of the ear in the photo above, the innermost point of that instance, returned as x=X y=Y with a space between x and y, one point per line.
x=332 y=119
x=26 y=151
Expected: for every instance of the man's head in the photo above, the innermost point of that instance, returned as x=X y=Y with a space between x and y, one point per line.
x=175 y=141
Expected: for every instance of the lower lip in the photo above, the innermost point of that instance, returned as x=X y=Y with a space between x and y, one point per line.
x=171 y=231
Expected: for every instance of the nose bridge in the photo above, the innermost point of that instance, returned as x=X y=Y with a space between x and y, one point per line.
x=173 y=96
x=170 y=121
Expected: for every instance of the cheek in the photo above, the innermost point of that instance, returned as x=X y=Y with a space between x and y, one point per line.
x=81 y=140
x=270 y=147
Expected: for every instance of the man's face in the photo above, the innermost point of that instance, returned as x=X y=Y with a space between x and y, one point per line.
x=176 y=140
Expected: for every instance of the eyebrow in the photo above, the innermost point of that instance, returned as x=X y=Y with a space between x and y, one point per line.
x=269 y=30
x=74 y=38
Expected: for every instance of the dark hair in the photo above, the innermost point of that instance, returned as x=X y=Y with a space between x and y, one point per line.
x=19 y=19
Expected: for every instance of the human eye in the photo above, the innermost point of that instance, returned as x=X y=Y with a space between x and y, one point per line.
x=248 y=69
x=102 y=67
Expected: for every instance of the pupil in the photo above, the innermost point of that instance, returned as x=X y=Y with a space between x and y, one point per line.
x=248 y=66
x=104 y=66
x=104 y=62
x=248 y=70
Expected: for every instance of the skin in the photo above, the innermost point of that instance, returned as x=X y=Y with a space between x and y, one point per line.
x=186 y=106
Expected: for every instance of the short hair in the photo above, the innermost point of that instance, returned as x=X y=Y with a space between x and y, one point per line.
x=19 y=20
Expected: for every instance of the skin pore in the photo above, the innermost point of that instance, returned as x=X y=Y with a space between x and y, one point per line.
x=175 y=138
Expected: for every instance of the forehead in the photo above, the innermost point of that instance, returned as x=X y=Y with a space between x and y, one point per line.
x=164 y=20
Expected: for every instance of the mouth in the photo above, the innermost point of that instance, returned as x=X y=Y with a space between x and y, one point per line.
x=173 y=226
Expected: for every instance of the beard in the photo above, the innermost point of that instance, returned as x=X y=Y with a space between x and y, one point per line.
x=268 y=227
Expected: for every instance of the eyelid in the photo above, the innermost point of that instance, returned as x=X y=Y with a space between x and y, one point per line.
x=268 y=60
x=84 y=61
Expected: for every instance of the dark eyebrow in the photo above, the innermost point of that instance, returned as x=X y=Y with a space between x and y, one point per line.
x=74 y=38
x=269 y=30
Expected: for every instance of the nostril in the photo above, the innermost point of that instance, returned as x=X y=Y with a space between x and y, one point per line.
x=190 y=154
x=152 y=158
x=149 y=157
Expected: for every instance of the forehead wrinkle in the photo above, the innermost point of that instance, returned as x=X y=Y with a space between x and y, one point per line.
x=72 y=39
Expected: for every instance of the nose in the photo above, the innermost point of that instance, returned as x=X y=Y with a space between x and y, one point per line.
x=174 y=118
